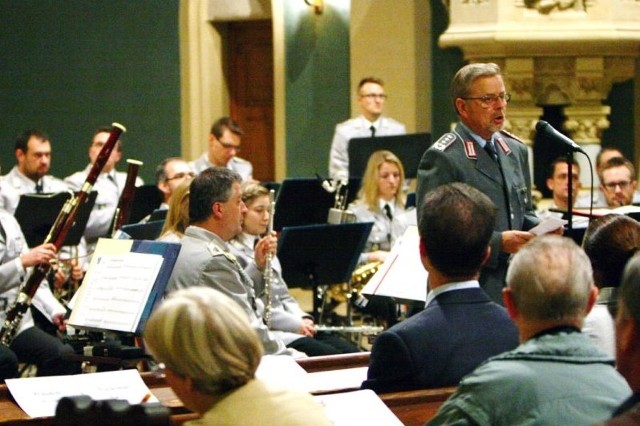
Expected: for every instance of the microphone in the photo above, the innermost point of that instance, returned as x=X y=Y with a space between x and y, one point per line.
x=544 y=128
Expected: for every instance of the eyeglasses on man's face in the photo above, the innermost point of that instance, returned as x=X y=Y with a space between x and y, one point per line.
x=374 y=96
x=490 y=100
x=182 y=175
x=228 y=145
x=611 y=186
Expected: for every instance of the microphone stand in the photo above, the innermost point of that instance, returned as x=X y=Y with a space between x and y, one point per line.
x=570 y=194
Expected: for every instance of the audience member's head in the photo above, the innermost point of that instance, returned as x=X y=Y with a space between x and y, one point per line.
x=177 y=218
x=33 y=153
x=558 y=182
x=100 y=137
x=170 y=173
x=215 y=202
x=618 y=181
x=549 y=284
x=383 y=178
x=455 y=225
x=206 y=343
x=610 y=241
x=224 y=141
x=628 y=325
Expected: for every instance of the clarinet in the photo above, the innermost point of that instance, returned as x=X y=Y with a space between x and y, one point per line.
x=268 y=271
x=123 y=211
x=57 y=235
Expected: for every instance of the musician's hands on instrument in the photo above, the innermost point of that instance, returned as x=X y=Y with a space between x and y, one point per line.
x=266 y=245
x=39 y=254
x=308 y=328
x=60 y=322
x=377 y=256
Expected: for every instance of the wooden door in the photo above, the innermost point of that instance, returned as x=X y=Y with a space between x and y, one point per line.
x=250 y=77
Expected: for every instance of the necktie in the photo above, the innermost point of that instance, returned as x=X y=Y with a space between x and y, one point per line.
x=387 y=211
x=39 y=188
x=491 y=150
x=373 y=131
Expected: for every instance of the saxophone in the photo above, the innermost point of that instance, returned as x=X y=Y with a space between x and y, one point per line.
x=268 y=270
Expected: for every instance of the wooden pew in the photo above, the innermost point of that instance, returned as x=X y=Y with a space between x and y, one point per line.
x=415 y=407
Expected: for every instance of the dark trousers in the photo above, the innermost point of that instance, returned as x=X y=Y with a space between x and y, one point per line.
x=8 y=364
x=323 y=344
x=34 y=346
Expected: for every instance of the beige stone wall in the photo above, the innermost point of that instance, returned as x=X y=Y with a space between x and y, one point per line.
x=390 y=39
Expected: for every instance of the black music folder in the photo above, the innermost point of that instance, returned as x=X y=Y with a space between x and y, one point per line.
x=36 y=213
x=146 y=199
x=303 y=201
x=144 y=231
x=408 y=148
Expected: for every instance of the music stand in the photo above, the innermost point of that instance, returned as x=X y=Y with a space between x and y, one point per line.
x=144 y=231
x=146 y=199
x=323 y=254
x=158 y=214
x=36 y=213
x=408 y=148
x=303 y=201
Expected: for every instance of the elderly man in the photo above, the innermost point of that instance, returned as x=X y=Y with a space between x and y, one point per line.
x=370 y=123
x=29 y=176
x=460 y=326
x=628 y=343
x=557 y=375
x=215 y=214
x=224 y=146
x=618 y=182
x=480 y=153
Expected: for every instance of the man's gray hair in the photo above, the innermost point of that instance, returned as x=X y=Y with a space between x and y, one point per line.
x=464 y=78
x=550 y=279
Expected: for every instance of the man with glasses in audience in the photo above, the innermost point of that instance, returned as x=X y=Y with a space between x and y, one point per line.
x=370 y=123
x=224 y=146
x=618 y=182
x=481 y=154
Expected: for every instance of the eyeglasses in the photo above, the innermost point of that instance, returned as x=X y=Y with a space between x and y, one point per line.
x=489 y=100
x=227 y=145
x=611 y=186
x=372 y=96
x=182 y=176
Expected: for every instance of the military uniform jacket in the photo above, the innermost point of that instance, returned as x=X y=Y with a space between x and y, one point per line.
x=205 y=260
x=458 y=157
x=239 y=165
x=14 y=184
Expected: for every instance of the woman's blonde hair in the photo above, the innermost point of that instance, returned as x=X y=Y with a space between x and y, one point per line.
x=368 y=193
x=202 y=334
x=177 y=218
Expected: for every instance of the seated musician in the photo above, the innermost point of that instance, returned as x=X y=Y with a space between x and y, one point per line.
x=460 y=326
x=288 y=321
x=109 y=184
x=177 y=220
x=212 y=367
x=31 y=344
x=382 y=201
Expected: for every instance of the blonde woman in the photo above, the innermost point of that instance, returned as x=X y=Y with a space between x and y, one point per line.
x=177 y=218
x=211 y=353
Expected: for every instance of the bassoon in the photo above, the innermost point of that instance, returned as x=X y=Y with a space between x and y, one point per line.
x=123 y=211
x=57 y=235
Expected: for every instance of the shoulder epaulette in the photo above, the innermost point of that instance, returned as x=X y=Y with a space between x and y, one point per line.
x=444 y=142
x=511 y=135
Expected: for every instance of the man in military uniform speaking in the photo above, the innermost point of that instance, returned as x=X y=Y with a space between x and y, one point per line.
x=479 y=153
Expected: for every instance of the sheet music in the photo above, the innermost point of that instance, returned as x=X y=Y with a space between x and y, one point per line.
x=402 y=275
x=348 y=408
x=115 y=293
x=39 y=396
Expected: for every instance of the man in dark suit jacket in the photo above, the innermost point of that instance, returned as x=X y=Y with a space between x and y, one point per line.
x=460 y=326
x=478 y=152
